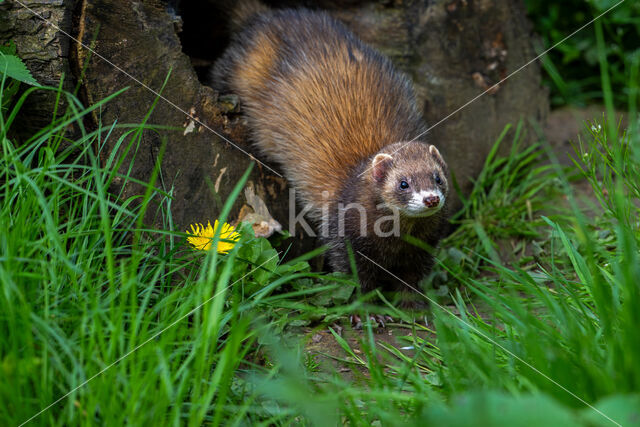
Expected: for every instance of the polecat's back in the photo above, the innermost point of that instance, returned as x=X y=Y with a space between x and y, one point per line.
x=319 y=101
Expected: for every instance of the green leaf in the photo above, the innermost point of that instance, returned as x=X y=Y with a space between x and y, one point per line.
x=268 y=260
x=321 y=299
x=13 y=67
x=292 y=268
x=342 y=293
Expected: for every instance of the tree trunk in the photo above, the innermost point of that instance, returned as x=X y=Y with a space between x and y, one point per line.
x=199 y=166
x=453 y=50
x=43 y=47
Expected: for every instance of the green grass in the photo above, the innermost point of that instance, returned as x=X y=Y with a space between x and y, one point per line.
x=534 y=312
x=158 y=332
x=572 y=69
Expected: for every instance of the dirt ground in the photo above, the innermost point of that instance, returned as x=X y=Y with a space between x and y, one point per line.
x=332 y=358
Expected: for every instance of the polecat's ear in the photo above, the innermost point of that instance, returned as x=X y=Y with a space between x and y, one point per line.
x=436 y=154
x=380 y=166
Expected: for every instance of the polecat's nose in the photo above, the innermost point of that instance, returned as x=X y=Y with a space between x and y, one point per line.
x=431 y=201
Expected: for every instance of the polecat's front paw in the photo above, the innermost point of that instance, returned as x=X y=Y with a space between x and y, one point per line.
x=379 y=320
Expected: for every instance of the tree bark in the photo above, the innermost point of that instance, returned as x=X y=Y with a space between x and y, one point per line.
x=199 y=166
x=43 y=47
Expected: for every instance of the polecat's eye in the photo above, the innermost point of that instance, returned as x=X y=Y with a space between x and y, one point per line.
x=404 y=185
x=438 y=179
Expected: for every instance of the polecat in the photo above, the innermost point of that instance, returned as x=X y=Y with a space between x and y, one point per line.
x=338 y=118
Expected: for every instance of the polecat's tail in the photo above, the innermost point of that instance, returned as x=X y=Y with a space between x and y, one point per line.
x=244 y=10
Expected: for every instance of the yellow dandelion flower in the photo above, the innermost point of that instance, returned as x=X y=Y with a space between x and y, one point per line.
x=203 y=236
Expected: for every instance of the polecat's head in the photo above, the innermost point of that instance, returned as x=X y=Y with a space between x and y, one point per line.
x=411 y=177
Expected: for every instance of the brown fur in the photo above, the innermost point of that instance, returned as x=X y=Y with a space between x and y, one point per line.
x=322 y=104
